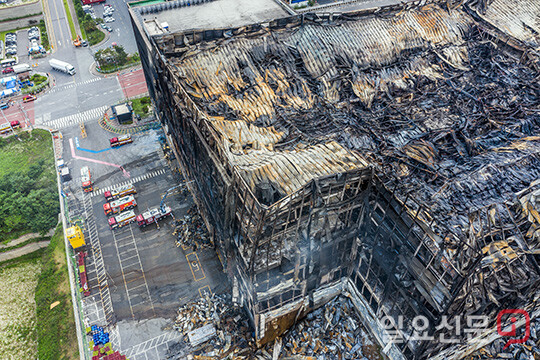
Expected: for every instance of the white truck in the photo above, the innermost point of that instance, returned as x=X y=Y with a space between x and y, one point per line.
x=62 y=66
x=20 y=68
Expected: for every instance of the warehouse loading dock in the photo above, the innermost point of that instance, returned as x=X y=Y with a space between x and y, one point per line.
x=383 y=156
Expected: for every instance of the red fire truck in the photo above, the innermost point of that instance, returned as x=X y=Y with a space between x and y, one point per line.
x=153 y=215
x=120 y=140
x=121 y=220
x=86 y=179
x=120 y=192
x=116 y=206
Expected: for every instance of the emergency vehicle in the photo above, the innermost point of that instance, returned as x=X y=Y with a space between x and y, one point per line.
x=120 y=192
x=153 y=215
x=86 y=179
x=122 y=219
x=116 y=206
x=120 y=140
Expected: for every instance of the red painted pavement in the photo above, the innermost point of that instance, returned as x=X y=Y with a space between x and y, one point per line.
x=132 y=83
x=14 y=113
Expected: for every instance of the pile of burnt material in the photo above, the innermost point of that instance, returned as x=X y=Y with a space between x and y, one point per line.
x=214 y=329
x=191 y=232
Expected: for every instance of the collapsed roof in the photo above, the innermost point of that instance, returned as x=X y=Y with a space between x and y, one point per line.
x=442 y=102
x=442 y=113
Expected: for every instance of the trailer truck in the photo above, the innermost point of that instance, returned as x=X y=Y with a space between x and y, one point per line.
x=20 y=68
x=62 y=66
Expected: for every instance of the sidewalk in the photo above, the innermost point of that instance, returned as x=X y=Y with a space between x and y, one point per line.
x=109 y=123
x=30 y=248
x=25 y=237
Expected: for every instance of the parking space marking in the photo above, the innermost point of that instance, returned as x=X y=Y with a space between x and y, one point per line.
x=135 y=272
x=97 y=262
x=204 y=290
x=150 y=344
x=131 y=257
x=195 y=266
x=129 y=182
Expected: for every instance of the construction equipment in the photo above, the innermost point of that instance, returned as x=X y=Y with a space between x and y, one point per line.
x=161 y=204
x=153 y=216
x=83 y=130
x=121 y=220
x=77 y=41
x=120 y=140
x=86 y=179
x=120 y=192
x=114 y=207
x=75 y=236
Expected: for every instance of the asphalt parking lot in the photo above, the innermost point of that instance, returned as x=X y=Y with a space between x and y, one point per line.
x=22 y=46
x=122 y=33
x=138 y=278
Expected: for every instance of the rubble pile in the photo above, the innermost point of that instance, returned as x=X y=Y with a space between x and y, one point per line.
x=191 y=231
x=330 y=332
x=530 y=350
x=233 y=334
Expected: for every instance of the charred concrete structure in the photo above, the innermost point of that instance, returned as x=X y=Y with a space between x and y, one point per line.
x=390 y=154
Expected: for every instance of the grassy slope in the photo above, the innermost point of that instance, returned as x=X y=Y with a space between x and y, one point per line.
x=56 y=331
x=18 y=156
x=18 y=279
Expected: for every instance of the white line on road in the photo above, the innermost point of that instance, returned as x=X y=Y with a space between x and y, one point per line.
x=69 y=120
x=132 y=181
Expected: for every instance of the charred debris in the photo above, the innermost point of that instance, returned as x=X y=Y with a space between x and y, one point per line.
x=391 y=156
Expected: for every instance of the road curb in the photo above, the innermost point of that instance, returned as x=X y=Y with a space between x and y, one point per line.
x=76 y=312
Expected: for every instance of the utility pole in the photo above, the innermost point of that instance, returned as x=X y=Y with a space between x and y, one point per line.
x=26 y=120
x=11 y=127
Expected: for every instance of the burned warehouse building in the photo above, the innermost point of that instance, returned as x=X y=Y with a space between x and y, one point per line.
x=389 y=154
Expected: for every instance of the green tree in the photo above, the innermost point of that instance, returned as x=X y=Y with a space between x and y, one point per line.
x=121 y=54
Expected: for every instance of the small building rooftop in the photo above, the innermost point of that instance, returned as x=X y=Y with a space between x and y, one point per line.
x=186 y=15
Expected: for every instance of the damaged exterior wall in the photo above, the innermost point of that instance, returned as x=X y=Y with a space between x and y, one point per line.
x=356 y=153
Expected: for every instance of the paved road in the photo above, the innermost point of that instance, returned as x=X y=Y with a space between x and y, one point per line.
x=122 y=30
x=147 y=277
x=77 y=98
